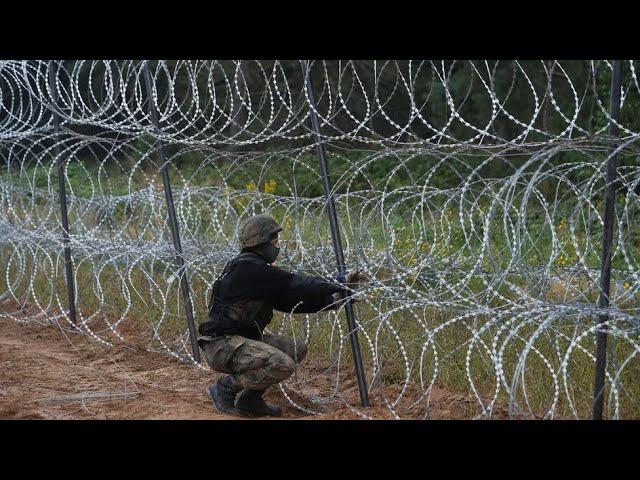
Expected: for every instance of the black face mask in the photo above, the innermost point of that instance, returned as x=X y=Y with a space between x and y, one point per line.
x=269 y=252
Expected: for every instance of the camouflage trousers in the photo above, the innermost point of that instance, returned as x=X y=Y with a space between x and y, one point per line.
x=255 y=364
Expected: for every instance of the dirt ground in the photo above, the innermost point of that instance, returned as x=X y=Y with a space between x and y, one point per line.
x=47 y=372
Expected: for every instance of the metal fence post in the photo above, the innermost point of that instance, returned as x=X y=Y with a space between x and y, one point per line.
x=335 y=237
x=63 y=196
x=607 y=240
x=173 y=221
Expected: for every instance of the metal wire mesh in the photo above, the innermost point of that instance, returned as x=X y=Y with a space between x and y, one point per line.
x=470 y=194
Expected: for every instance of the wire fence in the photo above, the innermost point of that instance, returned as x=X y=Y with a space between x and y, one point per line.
x=471 y=194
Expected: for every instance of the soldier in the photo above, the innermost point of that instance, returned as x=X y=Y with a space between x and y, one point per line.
x=241 y=306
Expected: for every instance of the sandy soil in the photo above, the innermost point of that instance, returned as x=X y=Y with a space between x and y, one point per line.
x=47 y=372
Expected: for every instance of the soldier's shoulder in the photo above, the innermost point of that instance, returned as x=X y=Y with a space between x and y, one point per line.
x=249 y=258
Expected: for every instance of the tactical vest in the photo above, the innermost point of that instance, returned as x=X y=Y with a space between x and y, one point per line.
x=242 y=316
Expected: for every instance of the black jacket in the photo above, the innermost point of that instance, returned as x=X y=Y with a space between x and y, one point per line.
x=247 y=291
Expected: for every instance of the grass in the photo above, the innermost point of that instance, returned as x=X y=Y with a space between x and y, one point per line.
x=144 y=296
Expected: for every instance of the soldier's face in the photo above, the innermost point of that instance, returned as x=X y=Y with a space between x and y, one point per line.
x=275 y=242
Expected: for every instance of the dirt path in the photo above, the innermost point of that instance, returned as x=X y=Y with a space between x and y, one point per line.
x=47 y=372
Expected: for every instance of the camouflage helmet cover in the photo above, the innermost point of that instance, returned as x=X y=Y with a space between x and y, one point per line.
x=256 y=230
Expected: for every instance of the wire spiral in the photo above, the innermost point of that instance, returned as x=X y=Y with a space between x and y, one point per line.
x=469 y=193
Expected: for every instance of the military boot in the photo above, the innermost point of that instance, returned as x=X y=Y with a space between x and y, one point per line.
x=223 y=393
x=251 y=402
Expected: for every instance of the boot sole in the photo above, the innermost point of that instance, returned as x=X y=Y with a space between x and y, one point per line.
x=257 y=413
x=212 y=393
x=252 y=413
x=260 y=414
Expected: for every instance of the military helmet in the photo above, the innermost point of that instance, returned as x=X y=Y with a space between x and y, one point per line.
x=256 y=230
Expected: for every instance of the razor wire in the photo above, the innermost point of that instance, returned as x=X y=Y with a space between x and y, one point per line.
x=482 y=280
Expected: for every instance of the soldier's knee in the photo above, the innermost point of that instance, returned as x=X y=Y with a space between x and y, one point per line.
x=281 y=366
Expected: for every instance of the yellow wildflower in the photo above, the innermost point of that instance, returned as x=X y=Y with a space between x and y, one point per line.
x=563 y=224
x=270 y=186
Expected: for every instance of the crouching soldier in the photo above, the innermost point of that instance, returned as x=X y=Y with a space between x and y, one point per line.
x=242 y=301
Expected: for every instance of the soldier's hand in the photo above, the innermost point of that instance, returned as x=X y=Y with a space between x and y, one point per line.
x=355 y=276
x=351 y=281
